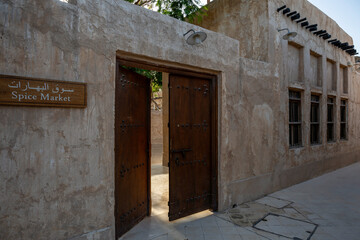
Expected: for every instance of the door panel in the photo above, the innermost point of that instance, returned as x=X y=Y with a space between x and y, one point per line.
x=190 y=146
x=132 y=118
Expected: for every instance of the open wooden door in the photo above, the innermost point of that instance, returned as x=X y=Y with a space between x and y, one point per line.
x=132 y=134
x=192 y=170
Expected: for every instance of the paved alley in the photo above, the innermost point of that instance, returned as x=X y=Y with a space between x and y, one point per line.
x=324 y=208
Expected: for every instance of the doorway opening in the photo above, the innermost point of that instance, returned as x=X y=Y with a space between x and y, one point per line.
x=165 y=143
x=159 y=145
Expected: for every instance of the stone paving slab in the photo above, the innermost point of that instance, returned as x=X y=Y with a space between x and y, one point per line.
x=273 y=202
x=286 y=227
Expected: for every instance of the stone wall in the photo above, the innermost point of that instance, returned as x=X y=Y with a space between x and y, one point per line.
x=57 y=165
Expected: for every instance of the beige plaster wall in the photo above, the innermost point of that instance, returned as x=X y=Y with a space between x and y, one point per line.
x=355 y=80
x=293 y=64
x=252 y=135
x=156 y=127
x=57 y=165
x=244 y=20
x=331 y=75
x=315 y=70
x=259 y=160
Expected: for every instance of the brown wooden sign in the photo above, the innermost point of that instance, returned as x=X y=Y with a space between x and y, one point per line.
x=25 y=91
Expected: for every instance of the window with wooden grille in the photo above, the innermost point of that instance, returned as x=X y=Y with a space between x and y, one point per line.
x=315 y=120
x=343 y=119
x=295 y=119
x=330 y=119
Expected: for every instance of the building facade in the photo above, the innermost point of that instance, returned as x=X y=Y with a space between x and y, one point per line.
x=287 y=90
x=286 y=111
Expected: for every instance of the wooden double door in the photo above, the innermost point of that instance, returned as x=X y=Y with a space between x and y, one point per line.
x=192 y=163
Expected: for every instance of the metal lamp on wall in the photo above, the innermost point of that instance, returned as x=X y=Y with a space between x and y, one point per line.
x=289 y=35
x=195 y=38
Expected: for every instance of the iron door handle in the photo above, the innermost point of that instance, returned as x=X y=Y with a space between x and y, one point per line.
x=182 y=151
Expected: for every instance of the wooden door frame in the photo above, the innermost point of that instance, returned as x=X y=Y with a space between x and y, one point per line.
x=133 y=60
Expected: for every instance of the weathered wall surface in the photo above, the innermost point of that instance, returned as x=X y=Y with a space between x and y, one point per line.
x=244 y=20
x=156 y=126
x=258 y=151
x=355 y=80
x=252 y=137
x=257 y=145
x=57 y=165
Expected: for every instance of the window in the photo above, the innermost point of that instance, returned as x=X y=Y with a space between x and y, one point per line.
x=330 y=119
x=343 y=119
x=315 y=120
x=294 y=118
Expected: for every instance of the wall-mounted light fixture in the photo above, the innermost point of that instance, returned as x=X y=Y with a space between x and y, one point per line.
x=289 y=35
x=195 y=38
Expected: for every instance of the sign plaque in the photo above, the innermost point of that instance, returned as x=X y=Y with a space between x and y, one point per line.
x=23 y=91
